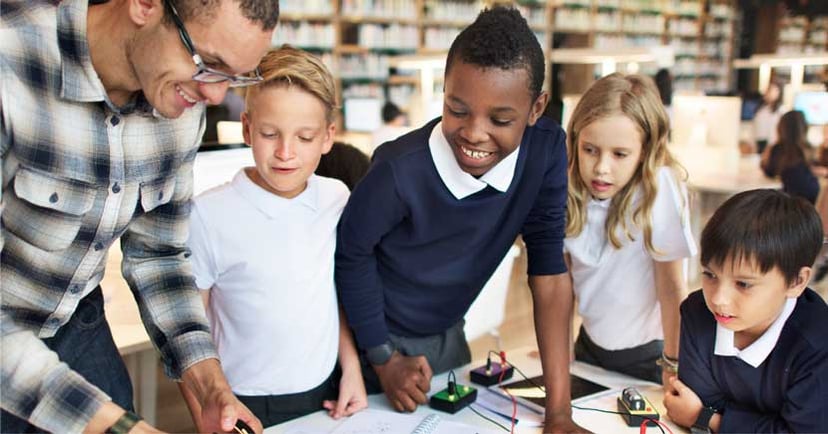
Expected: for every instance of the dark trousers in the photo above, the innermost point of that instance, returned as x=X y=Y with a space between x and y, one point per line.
x=85 y=344
x=638 y=362
x=275 y=409
x=445 y=351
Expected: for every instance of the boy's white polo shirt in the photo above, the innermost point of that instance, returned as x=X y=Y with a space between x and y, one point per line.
x=755 y=353
x=268 y=263
x=616 y=288
x=460 y=183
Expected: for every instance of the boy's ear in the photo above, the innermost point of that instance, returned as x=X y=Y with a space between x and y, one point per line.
x=800 y=282
x=143 y=12
x=245 y=120
x=538 y=107
x=331 y=133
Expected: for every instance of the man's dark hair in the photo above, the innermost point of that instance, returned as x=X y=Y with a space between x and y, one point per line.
x=500 y=38
x=345 y=163
x=264 y=12
x=767 y=226
x=390 y=111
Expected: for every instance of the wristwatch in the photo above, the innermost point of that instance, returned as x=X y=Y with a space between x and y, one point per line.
x=380 y=354
x=702 y=423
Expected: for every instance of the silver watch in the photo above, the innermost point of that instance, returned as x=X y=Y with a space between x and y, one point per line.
x=380 y=354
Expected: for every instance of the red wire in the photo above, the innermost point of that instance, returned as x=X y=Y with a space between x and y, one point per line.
x=643 y=428
x=506 y=389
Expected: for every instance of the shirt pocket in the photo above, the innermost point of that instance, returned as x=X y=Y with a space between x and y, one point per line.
x=156 y=193
x=47 y=211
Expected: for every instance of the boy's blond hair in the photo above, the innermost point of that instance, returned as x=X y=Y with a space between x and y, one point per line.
x=289 y=66
x=637 y=98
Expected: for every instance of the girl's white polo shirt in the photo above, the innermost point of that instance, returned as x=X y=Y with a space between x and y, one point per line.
x=268 y=263
x=616 y=287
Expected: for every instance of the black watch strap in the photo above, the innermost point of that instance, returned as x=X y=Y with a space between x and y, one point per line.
x=702 y=424
x=380 y=354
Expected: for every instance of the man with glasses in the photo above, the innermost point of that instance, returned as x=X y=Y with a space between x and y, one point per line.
x=101 y=114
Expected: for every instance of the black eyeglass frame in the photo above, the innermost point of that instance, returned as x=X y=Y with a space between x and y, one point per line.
x=205 y=74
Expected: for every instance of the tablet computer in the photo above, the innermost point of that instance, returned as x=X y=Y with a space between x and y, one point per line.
x=530 y=393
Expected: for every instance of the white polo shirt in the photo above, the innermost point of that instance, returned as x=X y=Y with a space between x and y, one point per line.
x=616 y=287
x=755 y=353
x=268 y=263
x=460 y=183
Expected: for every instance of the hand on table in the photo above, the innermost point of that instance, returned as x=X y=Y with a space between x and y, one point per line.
x=405 y=380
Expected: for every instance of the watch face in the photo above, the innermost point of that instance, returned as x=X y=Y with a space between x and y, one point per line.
x=380 y=354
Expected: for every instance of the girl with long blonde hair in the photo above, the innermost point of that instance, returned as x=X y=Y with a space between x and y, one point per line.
x=628 y=231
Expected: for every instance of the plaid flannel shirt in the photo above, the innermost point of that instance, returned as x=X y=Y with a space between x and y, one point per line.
x=77 y=174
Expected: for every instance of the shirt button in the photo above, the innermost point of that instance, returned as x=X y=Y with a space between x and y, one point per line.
x=116 y=188
x=53 y=198
x=160 y=195
x=74 y=289
x=98 y=246
x=115 y=120
x=52 y=322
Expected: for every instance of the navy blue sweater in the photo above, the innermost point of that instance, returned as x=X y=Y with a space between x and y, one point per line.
x=788 y=392
x=411 y=258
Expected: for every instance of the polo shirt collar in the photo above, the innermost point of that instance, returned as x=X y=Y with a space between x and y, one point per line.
x=270 y=204
x=755 y=353
x=460 y=183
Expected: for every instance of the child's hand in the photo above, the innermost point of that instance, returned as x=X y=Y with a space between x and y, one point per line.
x=683 y=405
x=666 y=380
x=352 y=396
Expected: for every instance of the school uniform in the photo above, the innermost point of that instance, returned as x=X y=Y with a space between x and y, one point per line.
x=616 y=288
x=779 y=383
x=267 y=262
x=420 y=237
x=797 y=180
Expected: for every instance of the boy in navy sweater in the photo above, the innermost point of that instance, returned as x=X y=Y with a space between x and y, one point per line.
x=754 y=340
x=441 y=206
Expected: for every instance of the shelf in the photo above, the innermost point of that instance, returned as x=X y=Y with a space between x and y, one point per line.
x=362 y=79
x=573 y=31
x=444 y=23
x=367 y=19
x=629 y=11
x=304 y=17
x=403 y=79
x=362 y=49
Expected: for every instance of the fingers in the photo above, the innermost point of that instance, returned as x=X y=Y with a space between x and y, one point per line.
x=678 y=385
x=330 y=406
x=228 y=417
x=341 y=404
x=425 y=368
x=408 y=405
x=355 y=406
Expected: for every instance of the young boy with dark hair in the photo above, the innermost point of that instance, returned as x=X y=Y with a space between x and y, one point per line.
x=441 y=206
x=754 y=340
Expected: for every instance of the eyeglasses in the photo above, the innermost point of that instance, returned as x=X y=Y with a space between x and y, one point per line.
x=205 y=74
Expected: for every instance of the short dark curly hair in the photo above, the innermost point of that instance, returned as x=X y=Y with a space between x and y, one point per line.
x=501 y=38
x=264 y=12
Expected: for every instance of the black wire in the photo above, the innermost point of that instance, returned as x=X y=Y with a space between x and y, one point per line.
x=488 y=418
x=531 y=381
